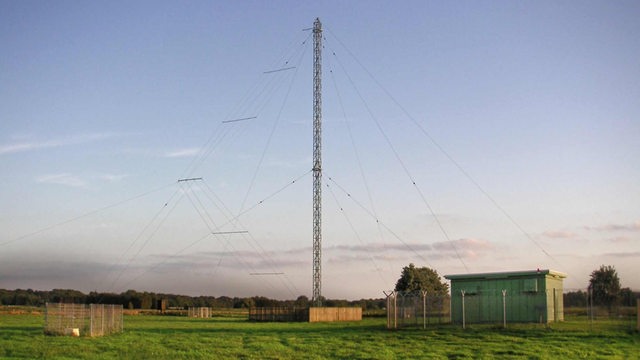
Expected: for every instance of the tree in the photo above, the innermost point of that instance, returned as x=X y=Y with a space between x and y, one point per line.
x=575 y=299
x=627 y=297
x=423 y=278
x=302 y=301
x=605 y=286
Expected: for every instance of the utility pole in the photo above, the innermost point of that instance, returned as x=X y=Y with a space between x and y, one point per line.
x=317 y=163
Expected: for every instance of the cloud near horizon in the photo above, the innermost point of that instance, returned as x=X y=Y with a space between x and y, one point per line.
x=252 y=260
x=635 y=226
x=623 y=254
x=560 y=234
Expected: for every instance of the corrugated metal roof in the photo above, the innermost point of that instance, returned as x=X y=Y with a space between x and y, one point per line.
x=506 y=274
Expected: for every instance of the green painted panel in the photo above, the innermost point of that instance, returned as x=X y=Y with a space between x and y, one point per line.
x=530 y=297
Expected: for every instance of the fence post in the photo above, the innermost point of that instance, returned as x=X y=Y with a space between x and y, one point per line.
x=46 y=317
x=388 y=309
x=504 y=308
x=424 y=309
x=102 y=319
x=91 y=317
x=591 y=308
x=395 y=311
x=463 y=315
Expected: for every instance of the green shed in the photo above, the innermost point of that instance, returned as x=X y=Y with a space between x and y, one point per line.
x=517 y=296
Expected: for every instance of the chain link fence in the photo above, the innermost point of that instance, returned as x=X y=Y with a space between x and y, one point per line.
x=82 y=319
x=623 y=313
x=575 y=309
x=417 y=309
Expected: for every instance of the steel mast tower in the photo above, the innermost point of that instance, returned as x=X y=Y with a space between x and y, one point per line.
x=317 y=163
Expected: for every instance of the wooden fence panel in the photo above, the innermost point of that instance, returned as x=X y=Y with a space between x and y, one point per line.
x=330 y=314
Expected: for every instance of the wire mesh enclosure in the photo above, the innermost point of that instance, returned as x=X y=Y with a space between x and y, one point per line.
x=105 y=319
x=82 y=319
x=199 y=312
x=417 y=309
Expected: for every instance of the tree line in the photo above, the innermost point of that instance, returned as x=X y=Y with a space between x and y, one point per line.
x=580 y=298
x=604 y=290
x=132 y=299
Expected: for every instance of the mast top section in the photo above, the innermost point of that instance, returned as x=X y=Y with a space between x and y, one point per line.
x=317 y=26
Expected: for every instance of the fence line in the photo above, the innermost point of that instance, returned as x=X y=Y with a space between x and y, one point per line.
x=417 y=309
x=502 y=307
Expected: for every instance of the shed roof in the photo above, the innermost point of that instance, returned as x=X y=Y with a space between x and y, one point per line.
x=506 y=274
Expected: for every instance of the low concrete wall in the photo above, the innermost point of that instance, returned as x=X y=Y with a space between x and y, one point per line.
x=329 y=314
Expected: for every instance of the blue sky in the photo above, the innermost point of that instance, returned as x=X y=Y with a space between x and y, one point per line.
x=517 y=121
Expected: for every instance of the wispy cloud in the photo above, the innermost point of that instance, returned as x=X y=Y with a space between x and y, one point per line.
x=635 y=226
x=465 y=243
x=294 y=259
x=30 y=145
x=620 y=239
x=77 y=181
x=559 y=234
x=243 y=259
x=112 y=177
x=380 y=247
x=624 y=254
x=468 y=248
x=62 y=179
x=179 y=153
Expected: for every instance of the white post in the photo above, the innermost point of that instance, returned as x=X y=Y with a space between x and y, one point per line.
x=389 y=308
x=395 y=312
x=463 y=315
x=424 y=309
x=388 y=311
x=504 y=308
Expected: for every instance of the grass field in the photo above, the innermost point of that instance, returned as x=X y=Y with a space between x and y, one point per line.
x=172 y=337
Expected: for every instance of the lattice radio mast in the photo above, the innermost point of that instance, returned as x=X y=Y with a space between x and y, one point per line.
x=317 y=163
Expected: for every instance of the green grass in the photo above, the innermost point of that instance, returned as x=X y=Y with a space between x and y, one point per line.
x=172 y=337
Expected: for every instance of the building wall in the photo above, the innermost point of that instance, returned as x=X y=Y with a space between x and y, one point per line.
x=555 y=303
